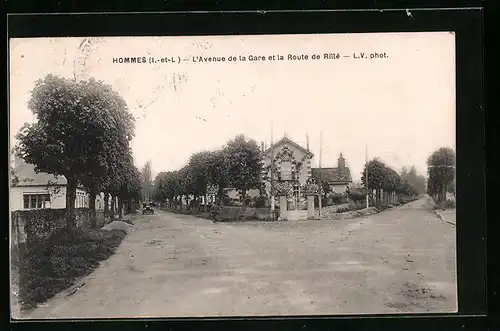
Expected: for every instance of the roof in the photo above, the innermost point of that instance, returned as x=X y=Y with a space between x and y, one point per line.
x=27 y=176
x=332 y=175
x=288 y=140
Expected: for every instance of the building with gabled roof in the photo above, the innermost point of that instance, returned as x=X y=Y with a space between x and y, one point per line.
x=338 y=178
x=32 y=190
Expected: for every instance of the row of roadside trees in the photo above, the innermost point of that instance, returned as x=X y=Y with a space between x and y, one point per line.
x=386 y=186
x=237 y=165
x=82 y=131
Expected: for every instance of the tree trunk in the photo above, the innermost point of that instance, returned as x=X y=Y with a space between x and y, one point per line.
x=220 y=195
x=112 y=208
x=70 y=201
x=106 y=204
x=93 y=214
x=206 y=202
x=120 y=208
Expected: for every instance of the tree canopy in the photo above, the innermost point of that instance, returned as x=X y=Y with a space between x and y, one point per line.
x=441 y=173
x=80 y=129
x=243 y=164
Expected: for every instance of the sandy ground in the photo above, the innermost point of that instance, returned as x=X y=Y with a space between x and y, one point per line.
x=398 y=261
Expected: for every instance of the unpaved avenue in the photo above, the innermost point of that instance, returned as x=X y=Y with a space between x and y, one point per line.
x=401 y=260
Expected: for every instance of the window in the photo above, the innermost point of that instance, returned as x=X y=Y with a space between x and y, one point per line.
x=286 y=170
x=36 y=201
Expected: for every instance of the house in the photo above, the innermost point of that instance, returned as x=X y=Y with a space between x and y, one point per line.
x=339 y=178
x=292 y=164
x=31 y=190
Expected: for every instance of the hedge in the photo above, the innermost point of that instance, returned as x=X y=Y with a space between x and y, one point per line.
x=40 y=224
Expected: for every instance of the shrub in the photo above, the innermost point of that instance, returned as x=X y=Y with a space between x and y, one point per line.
x=356 y=205
x=338 y=198
x=342 y=209
x=357 y=194
x=260 y=201
x=231 y=213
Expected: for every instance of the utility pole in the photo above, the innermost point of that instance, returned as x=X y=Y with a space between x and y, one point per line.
x=366 y=177
x=272 y=171
x=320 y=174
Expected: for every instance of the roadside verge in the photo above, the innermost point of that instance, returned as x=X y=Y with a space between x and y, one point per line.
x=443 y=218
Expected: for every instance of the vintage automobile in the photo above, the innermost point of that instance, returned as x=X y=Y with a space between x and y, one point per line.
x=148 y=209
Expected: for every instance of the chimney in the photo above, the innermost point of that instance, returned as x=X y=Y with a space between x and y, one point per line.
x=341 y=162
x=262 y=145
x=307 y=142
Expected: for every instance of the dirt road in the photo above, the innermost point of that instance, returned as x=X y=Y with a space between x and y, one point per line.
x=401 y=260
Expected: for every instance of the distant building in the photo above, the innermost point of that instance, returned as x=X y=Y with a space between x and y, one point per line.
x=338 y=178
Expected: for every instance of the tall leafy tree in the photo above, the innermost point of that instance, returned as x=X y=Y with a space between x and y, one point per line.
x=147 y=180
x=244 y=165
x=376 y=177
x=184 y=180
x=172 y=187
x=130 y=188
x=76 y=123
x=217 y=172
x=159 y=193
x=441 y=172
x=199 y=172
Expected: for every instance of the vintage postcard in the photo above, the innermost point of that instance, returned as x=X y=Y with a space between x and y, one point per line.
x=263 y=175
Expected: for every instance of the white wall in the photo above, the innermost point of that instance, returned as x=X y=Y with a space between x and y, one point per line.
x=57 y=196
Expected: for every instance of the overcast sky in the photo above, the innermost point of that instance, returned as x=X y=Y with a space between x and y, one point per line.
x=402 y=107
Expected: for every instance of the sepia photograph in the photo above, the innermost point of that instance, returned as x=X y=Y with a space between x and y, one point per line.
x=224 y=176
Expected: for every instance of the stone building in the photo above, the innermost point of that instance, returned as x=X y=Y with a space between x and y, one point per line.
x=292 y=164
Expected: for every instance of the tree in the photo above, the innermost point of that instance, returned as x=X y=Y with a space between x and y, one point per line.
x=130 y=188
x=325 y=189
x=77 y=122
x=159 y=193
x=199 y=172
x=376 y=177
x=218 y=172
x=184 y=184
x=243 y=162
x=441 y=172
x=147 y=178
x=417 y=182
x=172 y=186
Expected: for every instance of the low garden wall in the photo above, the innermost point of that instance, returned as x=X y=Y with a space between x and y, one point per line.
x=228 y=213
